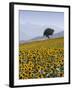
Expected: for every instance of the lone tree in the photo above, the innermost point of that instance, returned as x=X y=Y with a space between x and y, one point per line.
x=48 y=32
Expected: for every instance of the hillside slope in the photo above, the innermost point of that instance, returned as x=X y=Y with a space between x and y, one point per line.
x=49 y=43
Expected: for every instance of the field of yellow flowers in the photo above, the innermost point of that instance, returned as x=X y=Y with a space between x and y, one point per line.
x=41 y=59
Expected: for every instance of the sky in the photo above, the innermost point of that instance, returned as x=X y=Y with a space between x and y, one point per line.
x=33 y=23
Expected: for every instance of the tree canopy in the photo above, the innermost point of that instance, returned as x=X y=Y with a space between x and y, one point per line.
x=48 y=32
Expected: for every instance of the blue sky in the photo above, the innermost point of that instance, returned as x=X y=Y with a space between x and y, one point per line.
x=33 y=23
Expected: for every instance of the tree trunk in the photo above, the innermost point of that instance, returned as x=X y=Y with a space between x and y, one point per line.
x=48 y=36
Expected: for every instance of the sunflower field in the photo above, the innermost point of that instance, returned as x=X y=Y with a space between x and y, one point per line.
x=41 y=59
